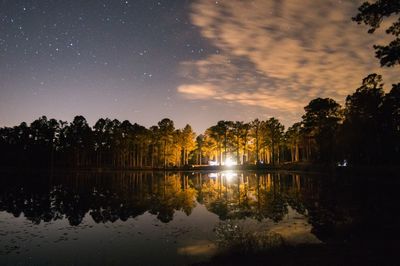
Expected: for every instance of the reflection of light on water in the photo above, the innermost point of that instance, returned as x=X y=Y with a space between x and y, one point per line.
x=255 y=235
x=212 y=175
x=202 y=247
x=229 y=175
x=295 y=229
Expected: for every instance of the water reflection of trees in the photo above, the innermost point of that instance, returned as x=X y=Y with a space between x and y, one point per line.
x=171 y=193
x=112 y=197
x=237 y=196
x=106 y=197
x=334 y=206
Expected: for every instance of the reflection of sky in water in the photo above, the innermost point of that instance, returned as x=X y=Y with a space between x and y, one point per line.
x=141 y=240
x=294 y=229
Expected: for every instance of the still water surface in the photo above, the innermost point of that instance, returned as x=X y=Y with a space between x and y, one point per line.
x=165 y=218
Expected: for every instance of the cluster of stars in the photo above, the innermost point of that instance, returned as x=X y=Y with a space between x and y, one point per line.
x=63 y=34
x=119 y=50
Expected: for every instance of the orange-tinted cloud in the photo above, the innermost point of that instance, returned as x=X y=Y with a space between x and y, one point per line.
x=279 y=54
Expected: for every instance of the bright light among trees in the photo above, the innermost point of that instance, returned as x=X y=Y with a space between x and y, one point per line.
x=230 y=162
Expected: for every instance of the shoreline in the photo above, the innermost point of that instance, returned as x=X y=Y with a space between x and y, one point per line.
x=305 y=168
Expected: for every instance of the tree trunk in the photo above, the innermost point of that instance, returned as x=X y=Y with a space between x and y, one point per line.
x=237 y=152
x=164 y=153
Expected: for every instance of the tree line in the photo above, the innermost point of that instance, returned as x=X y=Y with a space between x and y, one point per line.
x=365 y=131
x=109 y=143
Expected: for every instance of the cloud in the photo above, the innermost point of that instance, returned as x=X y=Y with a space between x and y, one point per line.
x=197 y=91
x=279 y=55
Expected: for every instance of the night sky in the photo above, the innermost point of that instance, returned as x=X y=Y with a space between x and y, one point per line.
x=195 y=62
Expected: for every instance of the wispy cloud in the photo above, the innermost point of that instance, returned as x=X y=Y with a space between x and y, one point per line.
x=279 y=54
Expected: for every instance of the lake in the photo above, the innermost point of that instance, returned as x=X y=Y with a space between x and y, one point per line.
x=180 y=218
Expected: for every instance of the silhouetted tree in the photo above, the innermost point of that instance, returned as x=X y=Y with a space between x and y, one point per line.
x=79 y=139
x=321 y=122
x=166 y=129
x=256 y=133
x=155 y=147
x=293 y=141
x=102 y=141
x=362 y=125
x=274 y=134
x=237 y=130
x=141 y=140
x=373 y=15
x=391 y=124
